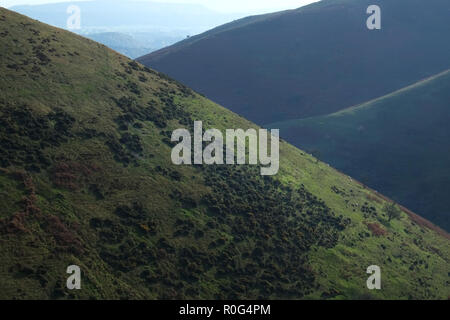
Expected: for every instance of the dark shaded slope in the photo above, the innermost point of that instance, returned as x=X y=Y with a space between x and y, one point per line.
x=398 y=144
x=312 y=61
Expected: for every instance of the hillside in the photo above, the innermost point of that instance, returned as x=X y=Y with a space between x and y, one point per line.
x=312 y=61
x=86 y=179
x=398 y=144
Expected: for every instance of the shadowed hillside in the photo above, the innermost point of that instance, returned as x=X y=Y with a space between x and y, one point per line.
x=398 y=144
x=312 y=61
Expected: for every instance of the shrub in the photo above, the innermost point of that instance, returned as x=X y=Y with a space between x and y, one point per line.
x=392 y=211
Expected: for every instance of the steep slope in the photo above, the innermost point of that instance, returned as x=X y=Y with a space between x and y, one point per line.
x=312 y=61
x=86 y=179
x=398 y=144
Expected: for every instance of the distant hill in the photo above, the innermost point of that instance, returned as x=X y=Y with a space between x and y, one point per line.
x=86 y=179
x=117 y=13
x=398 y=144
x=312 y=61
x=151 y=25
x=123 y=43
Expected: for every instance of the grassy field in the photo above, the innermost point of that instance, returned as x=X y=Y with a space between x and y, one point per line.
x=86 y=179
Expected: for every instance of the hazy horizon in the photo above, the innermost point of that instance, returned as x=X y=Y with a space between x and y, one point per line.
x=229 y=6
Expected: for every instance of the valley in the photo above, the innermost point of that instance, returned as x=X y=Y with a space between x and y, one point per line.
x=86 y=180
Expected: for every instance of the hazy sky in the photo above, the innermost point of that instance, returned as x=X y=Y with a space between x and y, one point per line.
x=250 y=6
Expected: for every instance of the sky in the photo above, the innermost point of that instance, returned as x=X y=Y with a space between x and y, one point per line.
x=250 y=6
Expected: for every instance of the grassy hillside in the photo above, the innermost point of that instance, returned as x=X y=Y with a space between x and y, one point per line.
x=86 y=179
x=312 y=61
x=397 y=144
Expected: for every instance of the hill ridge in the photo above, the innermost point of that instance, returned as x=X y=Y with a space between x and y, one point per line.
x=409 y=125
x=365 y=104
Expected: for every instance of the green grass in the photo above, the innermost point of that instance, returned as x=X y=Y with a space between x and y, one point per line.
x=76 y=190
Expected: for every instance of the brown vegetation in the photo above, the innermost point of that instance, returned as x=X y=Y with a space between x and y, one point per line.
x=376 y=229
